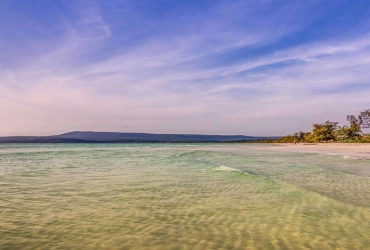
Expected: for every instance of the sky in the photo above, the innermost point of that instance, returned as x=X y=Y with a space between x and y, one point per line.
x=267 y=67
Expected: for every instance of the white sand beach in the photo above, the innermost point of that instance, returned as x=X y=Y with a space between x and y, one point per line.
x=348 y=149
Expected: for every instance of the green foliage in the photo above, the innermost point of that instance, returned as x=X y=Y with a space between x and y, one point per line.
x=365 y=138
x=296 y=137
x=352 y=132
x=303 y=136
x=324 y=132
x=330 y=131
x=287 y=139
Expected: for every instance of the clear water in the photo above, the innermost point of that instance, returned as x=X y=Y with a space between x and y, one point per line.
x=160 y=196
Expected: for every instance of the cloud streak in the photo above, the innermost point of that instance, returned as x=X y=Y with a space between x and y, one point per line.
x=239 y=68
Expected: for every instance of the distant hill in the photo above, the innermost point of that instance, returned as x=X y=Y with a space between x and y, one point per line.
x=114 y=137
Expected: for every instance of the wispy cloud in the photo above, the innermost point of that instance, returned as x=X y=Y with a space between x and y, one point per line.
x=227 y=68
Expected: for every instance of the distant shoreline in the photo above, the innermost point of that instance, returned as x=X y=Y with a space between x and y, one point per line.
x=170 y=142
x=117 y=137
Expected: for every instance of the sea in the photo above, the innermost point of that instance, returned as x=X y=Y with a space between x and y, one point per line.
x=181 y=196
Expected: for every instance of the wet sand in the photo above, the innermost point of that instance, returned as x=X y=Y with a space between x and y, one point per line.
x=356 y=150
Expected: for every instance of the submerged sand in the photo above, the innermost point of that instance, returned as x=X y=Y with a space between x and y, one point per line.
x=348 y=150
x=178 y=196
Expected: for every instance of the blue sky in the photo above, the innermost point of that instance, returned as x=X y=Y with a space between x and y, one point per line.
x=268 y=67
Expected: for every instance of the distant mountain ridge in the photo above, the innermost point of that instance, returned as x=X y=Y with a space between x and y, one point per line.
x=117 y=137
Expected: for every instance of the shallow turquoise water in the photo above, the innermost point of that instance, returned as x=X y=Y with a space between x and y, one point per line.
x=168 y=196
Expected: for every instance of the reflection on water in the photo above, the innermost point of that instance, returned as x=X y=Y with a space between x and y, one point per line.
x=140 y=196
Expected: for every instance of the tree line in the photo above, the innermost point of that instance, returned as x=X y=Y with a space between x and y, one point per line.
x=330 y=131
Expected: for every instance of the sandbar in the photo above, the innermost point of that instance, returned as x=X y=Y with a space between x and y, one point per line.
x=357 y=150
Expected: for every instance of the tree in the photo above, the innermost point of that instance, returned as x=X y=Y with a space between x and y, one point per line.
x=354 y=129
x=364 y=118
x=324 y=131
x=331 y=131
x=302 y=136
x=341 y=133
x=352 y=132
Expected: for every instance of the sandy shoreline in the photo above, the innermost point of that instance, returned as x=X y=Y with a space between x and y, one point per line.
x=352 y=150
x=356 y=150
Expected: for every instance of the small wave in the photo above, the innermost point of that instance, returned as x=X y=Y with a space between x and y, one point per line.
x=229 y=169
x=136 y=148
x=185 y=153
x=349 y=157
